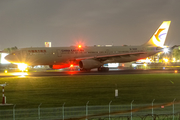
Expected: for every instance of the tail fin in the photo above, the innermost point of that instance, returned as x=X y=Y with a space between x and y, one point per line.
x=159 y=36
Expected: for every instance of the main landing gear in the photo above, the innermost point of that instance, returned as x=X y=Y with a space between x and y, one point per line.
x=103 y=69
x=85 y=70
x=100 y=69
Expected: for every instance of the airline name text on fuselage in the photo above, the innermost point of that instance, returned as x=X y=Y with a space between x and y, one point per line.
x=72 y=50
x=36 y=51
x=133 y=48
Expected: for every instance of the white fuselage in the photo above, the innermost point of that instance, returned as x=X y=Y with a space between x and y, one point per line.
x=61 y=55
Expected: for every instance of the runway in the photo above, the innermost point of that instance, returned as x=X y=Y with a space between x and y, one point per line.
x=78 y=73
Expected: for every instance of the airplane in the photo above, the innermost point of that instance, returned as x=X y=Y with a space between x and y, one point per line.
x=90 y=57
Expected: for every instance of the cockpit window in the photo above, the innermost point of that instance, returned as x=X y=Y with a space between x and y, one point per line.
x=13 y=54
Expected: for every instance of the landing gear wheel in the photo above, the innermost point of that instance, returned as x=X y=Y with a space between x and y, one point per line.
x=85 y=70
x=103 y=69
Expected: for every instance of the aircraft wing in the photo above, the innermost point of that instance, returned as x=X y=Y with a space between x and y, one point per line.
x=109 y=56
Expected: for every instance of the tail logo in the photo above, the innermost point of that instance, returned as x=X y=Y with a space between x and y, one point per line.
x=159 y=35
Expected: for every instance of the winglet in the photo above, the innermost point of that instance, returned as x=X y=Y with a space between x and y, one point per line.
x=159 y=36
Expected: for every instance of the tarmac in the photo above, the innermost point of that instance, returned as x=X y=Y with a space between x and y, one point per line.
x=76 y=73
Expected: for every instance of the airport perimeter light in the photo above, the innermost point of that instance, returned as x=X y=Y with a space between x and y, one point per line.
x=145 y=64
x=165 y=60
x=174 y=59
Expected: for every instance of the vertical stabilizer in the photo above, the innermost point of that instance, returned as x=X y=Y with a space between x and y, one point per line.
x=159 y=36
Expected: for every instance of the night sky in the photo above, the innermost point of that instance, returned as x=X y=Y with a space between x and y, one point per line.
x=30 y=23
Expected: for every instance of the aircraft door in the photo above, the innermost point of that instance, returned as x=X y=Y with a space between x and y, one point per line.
x=59 y=53
x=107 y=51
x=23 y=53
x=24 y=56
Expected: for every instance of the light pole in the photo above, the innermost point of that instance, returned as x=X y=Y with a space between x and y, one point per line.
x=110 y=109
x=131 y=109
x=63 y=110
x=39 y=113
x=173 y=108
x=152 y=108
x=87 y=109
x=14 y=112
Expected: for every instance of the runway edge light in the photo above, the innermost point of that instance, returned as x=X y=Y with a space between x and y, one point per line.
x=3 y=96
x=116 y=93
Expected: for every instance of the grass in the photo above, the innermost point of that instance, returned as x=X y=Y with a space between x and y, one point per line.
x=98 y=90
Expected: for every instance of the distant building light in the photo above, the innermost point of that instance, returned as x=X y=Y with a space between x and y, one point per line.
x=113 y=64
x=134 y=65
x=47 y=44
x=108 y=45
x=165 y=60
x=166 y=50
x=145 y=64
x=174 y=59
x=3 y=60
x=147 y=60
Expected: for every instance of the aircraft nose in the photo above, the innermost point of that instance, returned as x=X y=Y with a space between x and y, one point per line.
x=11 y=58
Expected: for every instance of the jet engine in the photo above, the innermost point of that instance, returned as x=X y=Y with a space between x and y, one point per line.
x=89 y=64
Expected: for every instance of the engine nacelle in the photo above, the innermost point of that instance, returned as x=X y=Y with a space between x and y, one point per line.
x=89 y=64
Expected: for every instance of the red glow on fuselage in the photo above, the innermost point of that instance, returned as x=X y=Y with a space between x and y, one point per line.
x=60 y=66
x=64 y=66
x=72 y=72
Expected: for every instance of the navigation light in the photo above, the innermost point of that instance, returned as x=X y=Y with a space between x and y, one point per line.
x=79 y=46
x=71 y=65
